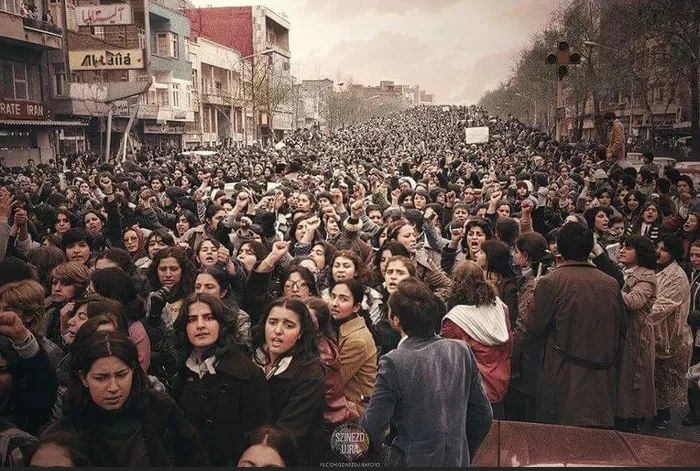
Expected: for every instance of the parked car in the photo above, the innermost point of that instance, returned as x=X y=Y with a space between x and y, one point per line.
x=515 y=444
x=635 y=158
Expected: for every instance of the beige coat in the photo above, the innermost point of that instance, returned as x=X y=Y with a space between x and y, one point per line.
x=616 y=141
x=636 y=396
x=672 y=335
x=358 y=361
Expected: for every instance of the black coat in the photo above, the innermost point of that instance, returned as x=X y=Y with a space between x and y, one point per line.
x=224 y=406
x=298 y=400
x=167 y=438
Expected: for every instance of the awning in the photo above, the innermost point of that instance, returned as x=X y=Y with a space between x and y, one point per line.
x=27 y=122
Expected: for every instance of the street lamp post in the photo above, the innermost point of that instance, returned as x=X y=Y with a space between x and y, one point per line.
x=232 y=120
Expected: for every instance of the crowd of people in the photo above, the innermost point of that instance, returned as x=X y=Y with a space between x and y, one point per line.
x=238 y=308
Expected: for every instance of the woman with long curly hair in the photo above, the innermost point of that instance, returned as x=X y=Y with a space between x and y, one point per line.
x=478 y=317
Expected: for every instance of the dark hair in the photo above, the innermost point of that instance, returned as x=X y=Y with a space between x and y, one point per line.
x=534 y=245
x=355 y=287
x=211 y=211
x=470 y=286
x=663 y=184
x=507 y=230
x=305 y=349
x=644 y=248
x=217 y=272
x=198 y=247
x=395 y=248
x=498 y=258
x=257 y=248
x=575 y=241
x=189 y=215
x=45 y=259
x=119 y=256
x=330 y=251
x=79 y=406
x=479 y=222
x=163 y=235
x=323 y=317
x=276 y=439
x=114 y=283
x=361 y=273
x=189 y=272
x=416 y=307
x=674 y=246
x=75 y=235
x=293 y=228
x=227 y=318
x=72 y=444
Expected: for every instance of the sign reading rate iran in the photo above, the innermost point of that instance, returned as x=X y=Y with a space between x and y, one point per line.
x=103 y=15
x=106 y=59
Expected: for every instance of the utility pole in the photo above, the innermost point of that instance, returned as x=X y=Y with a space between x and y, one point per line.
x=562 y=58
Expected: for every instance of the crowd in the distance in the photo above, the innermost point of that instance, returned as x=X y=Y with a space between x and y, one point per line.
x=237 y=308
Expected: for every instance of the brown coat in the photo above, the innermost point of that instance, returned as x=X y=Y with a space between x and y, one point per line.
x=432 y=275
x=636 y=396
x=579 y=311
x=358 y=361
x=674 y=342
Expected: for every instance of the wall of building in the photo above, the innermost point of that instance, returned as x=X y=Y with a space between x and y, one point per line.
x=163 y=20
x=229 y=26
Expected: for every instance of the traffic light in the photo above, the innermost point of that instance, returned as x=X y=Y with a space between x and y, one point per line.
x=562 y=58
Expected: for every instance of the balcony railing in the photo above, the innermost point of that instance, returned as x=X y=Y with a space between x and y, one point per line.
x=41 y=26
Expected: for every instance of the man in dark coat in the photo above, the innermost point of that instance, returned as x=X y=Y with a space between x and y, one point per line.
x=579 y=311
x=426 y=376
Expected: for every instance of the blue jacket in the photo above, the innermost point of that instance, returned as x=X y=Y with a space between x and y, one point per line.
x=430 y=390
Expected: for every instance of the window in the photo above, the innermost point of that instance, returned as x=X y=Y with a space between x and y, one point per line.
x=98 y=31
x=8 y=6
x=163 y=98
x=174 y=46
x=20 y=81
x=59 y=75
x=142 y=38
x=176 y=95
x=162 y=44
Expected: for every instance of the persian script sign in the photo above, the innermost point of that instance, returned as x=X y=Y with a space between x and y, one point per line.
x=103 y=15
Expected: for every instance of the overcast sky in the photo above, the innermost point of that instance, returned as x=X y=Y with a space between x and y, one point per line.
x=456 y=49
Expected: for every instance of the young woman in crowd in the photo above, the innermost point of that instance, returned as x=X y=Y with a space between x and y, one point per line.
x=636 y=397
x=495 y=260
x=478 y=317
x=68 y=283
x=268 y=447
x=222 y=393
x=285 y=348
x=110 y=407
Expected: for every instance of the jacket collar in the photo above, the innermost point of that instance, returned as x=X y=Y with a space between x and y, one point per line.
x=414 y=343
x=574 y=263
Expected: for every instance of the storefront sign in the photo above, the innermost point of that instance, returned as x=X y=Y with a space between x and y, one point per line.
x=102 y=15
x=12 y=109
x=113 y=59
x=167 y=128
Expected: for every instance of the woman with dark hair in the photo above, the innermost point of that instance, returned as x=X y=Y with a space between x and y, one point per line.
x=267 y=447
x=172 y=276
x=633 y=203
x=303 y=234
x=124 y=423
x=598 y=219
x=214 y=281
x=338 y=409
x=286 y=349
x=673 y=337
x=388 y=250
x=494 y=258
x=185 y=220
x=69 y=282
x=478 y=317
x=135 y=244
x=648 y=223
x=322 y=253
x=220 y=390
x=465 y=244
x=298 y=282
x=113 y=283
x=690 y=232
x=157 y=240
x=358 y=352
x=533 y=257
x=635 y=386
x=347 y=265
x=428 y=272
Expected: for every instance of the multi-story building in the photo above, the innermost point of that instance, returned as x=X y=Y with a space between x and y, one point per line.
x=28 y=130
x=124 y=63
x=311 y=103
x=217 y=94
x=262 y=38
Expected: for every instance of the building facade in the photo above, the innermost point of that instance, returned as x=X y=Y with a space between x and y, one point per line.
x=28 y=128
x=261 y=36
